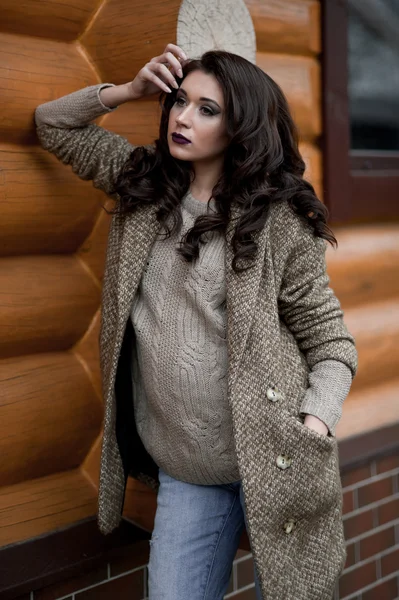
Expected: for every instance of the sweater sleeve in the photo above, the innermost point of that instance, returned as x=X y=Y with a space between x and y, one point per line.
x=64 y=128
x=329 y=385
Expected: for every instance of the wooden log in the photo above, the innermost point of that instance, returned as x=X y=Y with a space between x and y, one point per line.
x=208 y=25
x=365 y=267
x=47 y=303
x=50 y=416
x=137 y=121
x=369 y=408
x=300 y=79
x=53 y=19
x=35 y=71
x=375 y=328
x=139 y=36
x=87 y=351
x=35 y=507
x=45 y=206
x=93 y=250
x=289 y=26
x=91 y=464
x=312 y=156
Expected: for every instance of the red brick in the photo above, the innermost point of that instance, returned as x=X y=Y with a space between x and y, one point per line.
x=375 y=491
x=350 y=555
x=131 y=586
x=377 y=543
x=57 y=590
x=390 y=563
x=388 y=511
x=357 y=579
x=358 y=524
x=385 y=591
x=348 y=504
x=355 y=476
x=387 y=463
x=245 y=572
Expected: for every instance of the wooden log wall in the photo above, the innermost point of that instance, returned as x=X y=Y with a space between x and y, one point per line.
x=288 y=37
x=53 y=234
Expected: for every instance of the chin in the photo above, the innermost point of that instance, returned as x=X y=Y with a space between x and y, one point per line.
x=179 y=153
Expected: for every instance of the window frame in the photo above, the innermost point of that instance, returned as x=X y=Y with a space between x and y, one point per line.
x=359 y=186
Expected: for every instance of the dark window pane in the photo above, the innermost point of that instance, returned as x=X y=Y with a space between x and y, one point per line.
x=373 y=85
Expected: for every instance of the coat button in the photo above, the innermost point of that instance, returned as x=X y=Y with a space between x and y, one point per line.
x=273 y=394
x=289 y=525
x=283 y=461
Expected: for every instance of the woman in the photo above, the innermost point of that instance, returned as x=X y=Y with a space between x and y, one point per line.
x=224 y=355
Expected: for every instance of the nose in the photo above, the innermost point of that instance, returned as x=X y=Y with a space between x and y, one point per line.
x=184 y=118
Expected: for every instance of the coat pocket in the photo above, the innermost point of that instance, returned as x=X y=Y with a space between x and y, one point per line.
x=307 y=469
x=326 y=440
x=308 y=509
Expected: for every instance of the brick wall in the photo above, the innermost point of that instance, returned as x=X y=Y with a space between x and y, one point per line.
x=371 y=520
x=125 y=578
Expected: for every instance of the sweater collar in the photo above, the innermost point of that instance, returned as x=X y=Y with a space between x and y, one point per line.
x=196 y=207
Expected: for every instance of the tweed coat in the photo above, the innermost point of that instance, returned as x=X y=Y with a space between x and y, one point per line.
x=282 y=318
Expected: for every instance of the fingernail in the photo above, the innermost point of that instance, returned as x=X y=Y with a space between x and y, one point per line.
x=175 y=85
x=180 y=73
x=168 y=88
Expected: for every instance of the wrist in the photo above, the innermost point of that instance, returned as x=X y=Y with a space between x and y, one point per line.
x=131 y=94
x=115 y=95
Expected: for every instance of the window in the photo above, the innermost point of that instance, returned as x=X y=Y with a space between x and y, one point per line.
x=361 y=109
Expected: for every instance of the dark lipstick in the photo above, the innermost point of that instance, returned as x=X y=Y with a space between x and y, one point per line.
x=180 y=139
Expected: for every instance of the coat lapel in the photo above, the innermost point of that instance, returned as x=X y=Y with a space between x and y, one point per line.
x=241 y=288
x=139 y=234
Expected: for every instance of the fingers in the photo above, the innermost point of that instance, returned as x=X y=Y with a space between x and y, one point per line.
x=176 y=50
x=163 y=71
x=151 y=76
x=171 y=60
x=174 y=63
x=160 y=74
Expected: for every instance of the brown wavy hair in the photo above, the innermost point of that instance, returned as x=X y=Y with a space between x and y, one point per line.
x=262 y=163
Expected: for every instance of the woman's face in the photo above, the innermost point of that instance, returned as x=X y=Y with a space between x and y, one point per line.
x=199 y=115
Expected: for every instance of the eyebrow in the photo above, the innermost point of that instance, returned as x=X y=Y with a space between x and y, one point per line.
x=202 y=98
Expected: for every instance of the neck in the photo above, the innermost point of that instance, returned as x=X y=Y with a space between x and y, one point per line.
x=205 y=177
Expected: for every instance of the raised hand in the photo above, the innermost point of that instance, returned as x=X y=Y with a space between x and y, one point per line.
x=159 y=73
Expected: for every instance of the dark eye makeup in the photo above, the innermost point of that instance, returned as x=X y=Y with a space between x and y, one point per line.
x=209 y=111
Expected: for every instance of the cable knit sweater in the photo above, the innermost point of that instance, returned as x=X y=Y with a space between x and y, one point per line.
x=179 y=381
x=180 y=354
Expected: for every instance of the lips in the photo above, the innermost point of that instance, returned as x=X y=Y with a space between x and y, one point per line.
x=180 y=139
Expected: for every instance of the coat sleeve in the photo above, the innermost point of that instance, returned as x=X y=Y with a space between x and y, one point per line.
x=313 y=313
x=64 y=128
x=310 y=308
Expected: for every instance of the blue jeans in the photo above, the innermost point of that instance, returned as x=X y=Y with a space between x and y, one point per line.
x=196 y=534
